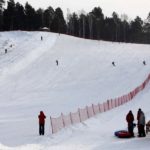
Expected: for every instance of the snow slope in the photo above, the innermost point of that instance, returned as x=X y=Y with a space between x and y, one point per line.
x=30 y=81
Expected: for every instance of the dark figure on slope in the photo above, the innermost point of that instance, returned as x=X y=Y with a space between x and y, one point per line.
x=144 y=62
x=130 y=119
x=41 y=123
x=141 y=123
x=113 y=63
x=57 y=62
x=41 y=38
x=5 y=51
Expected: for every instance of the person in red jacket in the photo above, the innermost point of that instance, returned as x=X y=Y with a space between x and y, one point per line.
x=41 y=122
x=130 y=119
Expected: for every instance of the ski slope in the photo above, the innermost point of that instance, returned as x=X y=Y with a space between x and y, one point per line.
x=31 y=81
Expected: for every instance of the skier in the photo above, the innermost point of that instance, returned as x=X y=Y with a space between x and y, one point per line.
x=130 y=119
x=57 y=62
x=113 y=63
x=5 y=51
x=141 y=123
x=144 y=62
x=41 y=123
x=41 y=38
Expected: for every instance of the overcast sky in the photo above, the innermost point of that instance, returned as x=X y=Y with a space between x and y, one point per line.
x=130 y=7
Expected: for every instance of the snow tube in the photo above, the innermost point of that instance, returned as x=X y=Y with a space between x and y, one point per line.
x=123 y=134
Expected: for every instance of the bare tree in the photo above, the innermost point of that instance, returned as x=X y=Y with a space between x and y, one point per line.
x=90 y=20
x=68 y=21
x=83 y=16
x=124 y=19
x=115 y=18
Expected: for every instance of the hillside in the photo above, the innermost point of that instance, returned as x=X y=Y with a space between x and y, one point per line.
x=31 y=81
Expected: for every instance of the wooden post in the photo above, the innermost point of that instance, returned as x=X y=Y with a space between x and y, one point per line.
x=93 y=108
x=51 y=125
x=79 y=114
x=99 y=108
x=87 y=111
x=63 y=119
x=71 y=118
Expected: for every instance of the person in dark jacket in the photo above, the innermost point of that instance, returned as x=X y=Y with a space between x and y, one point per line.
x=130 y=119
x=141 y=123
x=41 y=122
x=138 y=116
x=113 y=63
x=144 y=62
x=57 y=62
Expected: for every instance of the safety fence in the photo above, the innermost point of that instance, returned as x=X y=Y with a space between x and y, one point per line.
x=89 y=111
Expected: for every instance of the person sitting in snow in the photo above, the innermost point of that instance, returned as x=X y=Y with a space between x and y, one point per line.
x=41 y=122
x=130 y=119
x=141 y=123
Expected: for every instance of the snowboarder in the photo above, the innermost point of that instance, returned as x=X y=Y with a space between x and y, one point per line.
x=57 y=62
x=113 y=63
x=141 y=123
x=130 y=119
x=41 y=122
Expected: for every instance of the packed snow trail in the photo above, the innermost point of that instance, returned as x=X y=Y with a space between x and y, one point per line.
x=31 y=81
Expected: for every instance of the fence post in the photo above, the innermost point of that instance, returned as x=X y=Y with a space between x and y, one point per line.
x=99 y=108
x=71 y=118
x=79 y=114
x=108 y=105
x=112 y=105
x=87 y=111
x=93 y=109
x=62 y=119
x=51 y=125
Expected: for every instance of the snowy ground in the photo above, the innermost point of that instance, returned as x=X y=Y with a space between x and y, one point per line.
x=30 y=81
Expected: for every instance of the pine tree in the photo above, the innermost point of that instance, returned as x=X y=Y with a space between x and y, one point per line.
x=48 y=17
x=19 y=17
x=30 y=17
x=73 y=25
x=9 y=15
x=136 y=29
x=90 y=23
x=1 y=4
x=39 y=18
x=147 y=24
x=1 y=14
x=98 y=22
x=58 y=23
x=116 y=21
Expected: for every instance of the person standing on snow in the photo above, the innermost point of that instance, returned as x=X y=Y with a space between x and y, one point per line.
x=113 y=63
x=130 y=119
x=144 y=62
x=57 y=62
x=138 y=117
x=141 y=123
x=5 y=51
x=41 y=122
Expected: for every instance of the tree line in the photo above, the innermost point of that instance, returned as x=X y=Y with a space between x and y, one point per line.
x=92 y=25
